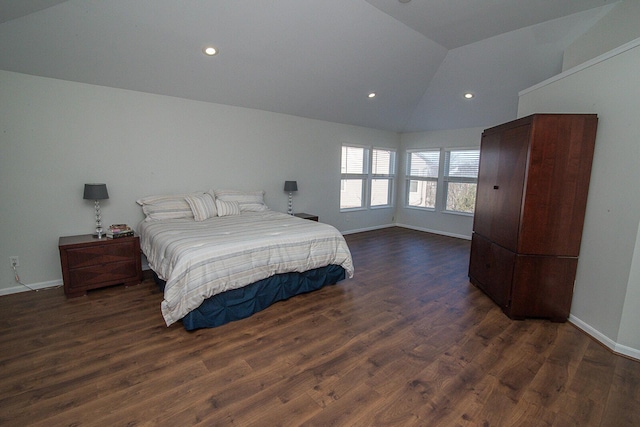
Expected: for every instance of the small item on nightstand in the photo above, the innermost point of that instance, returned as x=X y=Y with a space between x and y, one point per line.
x=119 y=230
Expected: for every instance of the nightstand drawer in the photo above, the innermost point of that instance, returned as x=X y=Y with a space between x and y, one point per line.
x=90 y=263
x=117 y=272
x=99 y=254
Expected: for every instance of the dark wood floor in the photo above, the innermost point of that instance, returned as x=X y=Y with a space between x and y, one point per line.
x=407 y=342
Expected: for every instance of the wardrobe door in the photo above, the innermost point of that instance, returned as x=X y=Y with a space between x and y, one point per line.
x=557 y=185
x=479 y=262
x=543 y=287
x=487 y=178
x=508 y=187
x=491 y=269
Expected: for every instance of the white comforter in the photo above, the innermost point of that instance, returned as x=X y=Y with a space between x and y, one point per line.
x=201 y=259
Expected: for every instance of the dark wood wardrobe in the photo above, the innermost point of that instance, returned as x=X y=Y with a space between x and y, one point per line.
x=532 y=194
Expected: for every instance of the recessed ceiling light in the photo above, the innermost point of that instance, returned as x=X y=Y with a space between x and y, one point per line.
x=372 y=95
x=468 y=95
x=210 y=51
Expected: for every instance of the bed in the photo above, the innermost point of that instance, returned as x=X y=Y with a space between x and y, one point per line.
x=223 y=255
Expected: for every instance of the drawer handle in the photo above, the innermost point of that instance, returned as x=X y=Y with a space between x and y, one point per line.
x=496 y=187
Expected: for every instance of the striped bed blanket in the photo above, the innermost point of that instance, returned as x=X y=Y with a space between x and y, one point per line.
x=201 y=259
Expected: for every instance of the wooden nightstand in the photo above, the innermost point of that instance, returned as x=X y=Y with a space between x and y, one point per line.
x=307 y=216
x=91 y=263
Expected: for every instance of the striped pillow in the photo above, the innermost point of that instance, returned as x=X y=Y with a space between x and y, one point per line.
x=202 y=205
x=227 y=208
x=249 y=201
x=165 y=207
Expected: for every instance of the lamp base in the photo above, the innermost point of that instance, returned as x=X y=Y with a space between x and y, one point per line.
x=99 y=230
x=290 y=210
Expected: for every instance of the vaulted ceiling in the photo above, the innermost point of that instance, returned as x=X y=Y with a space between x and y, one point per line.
x=312 y=58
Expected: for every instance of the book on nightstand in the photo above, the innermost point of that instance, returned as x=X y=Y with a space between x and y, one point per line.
x=116 y=231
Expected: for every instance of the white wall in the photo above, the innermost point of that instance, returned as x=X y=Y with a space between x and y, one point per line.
x=56 y=135
x=628 y=336
x=605 y=301
x=434 y=221
x=618 y=27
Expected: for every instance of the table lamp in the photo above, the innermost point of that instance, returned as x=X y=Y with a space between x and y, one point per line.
x=96 y=192
x=290 y=187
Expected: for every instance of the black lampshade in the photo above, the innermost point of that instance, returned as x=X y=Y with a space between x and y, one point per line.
x=95 y=192
x=291 y=186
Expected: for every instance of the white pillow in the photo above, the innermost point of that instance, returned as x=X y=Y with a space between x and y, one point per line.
x=165 y=207
x=249 y=201
x=253 y=207
x=202 y=205
x=227 y=208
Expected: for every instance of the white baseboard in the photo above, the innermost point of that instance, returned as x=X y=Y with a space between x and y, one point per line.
x=633 y=353
x=32 y=287
x=604 y=340
x=360 y=230
x=428 y=230
x=411 y=227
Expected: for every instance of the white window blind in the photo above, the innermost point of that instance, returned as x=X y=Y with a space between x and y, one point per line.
x=382 y=179
x=381 y=162
x=462 y=164
x=422 y=178
x=461 y=179
x=353 y=160
x=366 y=171
x=424 y=163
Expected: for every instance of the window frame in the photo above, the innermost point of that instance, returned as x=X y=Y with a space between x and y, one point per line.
x=429 y=179
x=447 y=179
x=367 y=177
x=344 y=176
x=441 y=182
x=389 y=177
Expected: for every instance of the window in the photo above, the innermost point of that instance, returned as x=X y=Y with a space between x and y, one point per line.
x=455 y=171
x=366 y=171
x=422 y=178
x=354 y=176
x=460 y=180
x=382 y=177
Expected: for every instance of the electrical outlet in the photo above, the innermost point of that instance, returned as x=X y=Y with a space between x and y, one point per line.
x=14 y=261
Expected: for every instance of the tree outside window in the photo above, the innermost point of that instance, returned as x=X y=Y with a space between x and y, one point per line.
x=461 y=179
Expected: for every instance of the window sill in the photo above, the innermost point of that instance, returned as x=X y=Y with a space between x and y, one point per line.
x=458 y=213
x=419 y=208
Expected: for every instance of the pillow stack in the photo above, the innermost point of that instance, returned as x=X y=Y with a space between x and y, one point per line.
x=252 y=201
x=200 y=206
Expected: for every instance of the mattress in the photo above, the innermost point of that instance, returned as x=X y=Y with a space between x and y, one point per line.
x=200 y=259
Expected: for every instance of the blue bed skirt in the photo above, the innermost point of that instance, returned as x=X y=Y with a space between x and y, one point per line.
x=239 y=303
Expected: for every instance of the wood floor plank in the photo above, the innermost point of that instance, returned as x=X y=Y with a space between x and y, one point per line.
x=624 y=395
x=407 y=342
